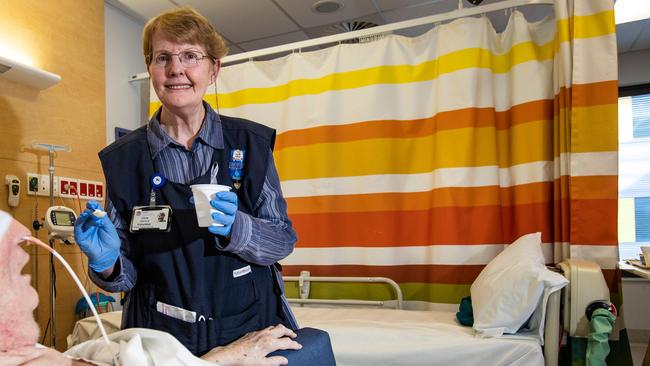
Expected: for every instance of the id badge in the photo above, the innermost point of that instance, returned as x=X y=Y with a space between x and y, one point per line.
x=151 y=218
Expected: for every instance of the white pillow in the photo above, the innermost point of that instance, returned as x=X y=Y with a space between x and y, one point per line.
x=510 y=288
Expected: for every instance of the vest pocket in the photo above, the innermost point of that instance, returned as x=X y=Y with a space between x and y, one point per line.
x=185 y=332
x=240 y=295
x=235 y=326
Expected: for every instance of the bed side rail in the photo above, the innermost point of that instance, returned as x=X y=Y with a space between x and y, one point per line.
x=305 y=279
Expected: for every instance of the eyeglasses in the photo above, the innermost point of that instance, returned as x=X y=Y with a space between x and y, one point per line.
x=187 y=58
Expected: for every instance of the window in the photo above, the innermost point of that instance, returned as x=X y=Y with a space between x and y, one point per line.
x=634 y=170
x=641 y=115
x=642 y=215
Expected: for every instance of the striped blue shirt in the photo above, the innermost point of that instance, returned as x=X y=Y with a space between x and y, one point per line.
x=263 y=238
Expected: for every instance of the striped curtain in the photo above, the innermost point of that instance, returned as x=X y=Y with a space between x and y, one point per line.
x=419 y=158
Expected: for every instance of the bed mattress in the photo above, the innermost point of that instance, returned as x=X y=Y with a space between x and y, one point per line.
x=409 y=337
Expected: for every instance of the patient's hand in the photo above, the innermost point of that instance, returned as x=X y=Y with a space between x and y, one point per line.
x=252 y=348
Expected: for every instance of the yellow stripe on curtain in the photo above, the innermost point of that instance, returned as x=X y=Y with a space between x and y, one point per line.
x=463 y=147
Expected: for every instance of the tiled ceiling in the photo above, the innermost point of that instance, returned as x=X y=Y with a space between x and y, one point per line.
x=250 y=25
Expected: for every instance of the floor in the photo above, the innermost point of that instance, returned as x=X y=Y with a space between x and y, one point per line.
x=638 y=345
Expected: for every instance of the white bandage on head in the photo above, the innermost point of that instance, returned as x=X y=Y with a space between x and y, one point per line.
x=5 y=221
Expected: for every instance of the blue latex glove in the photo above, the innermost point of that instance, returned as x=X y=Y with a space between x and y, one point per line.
x=225 y=202
x=97 y=238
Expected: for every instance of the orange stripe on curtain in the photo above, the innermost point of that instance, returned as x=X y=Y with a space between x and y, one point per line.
x=447 y=225
x=454 y=196
x=584 y=95
x=596 y=186
x=470 y=117
x=561 y=210
x=443 y=274
x=604 y=92
x=594 y=221
x=440 y=225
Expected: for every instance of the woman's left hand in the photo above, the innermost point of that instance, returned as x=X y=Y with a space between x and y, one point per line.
x=226 y=203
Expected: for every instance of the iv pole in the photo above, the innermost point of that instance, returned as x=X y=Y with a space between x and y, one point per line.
x=51 y=149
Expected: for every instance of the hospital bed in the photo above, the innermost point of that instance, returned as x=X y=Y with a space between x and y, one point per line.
x=389 y=335
x=386 y=334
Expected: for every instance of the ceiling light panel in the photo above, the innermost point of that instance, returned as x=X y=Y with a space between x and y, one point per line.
x=244 y=20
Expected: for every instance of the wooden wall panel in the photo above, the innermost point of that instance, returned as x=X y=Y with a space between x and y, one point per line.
x=65 y=37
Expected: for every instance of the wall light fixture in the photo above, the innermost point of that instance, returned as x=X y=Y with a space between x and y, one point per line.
x=25 y=74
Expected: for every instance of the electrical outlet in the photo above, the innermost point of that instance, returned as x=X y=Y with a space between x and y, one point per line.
x=83 y=189
x=68 y=187
x=32 y=184
x=39 y=185
x=64 y=186
x=91 y=189
x=99 y=191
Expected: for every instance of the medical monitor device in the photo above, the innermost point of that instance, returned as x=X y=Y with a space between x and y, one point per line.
x=59 y=222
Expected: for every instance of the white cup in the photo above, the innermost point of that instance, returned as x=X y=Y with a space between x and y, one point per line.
x=203 y=193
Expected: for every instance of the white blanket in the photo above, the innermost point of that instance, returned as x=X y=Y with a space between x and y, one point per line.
x=137 y=346
x=408 y=337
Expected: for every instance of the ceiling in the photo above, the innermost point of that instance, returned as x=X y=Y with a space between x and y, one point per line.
x=249 y=25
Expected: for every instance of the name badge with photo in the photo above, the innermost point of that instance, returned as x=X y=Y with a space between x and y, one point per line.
x=151 y=218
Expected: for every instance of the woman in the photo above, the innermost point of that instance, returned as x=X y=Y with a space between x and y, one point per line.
x=207 y=287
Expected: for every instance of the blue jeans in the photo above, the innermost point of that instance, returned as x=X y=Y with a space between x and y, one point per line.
x=316 y=349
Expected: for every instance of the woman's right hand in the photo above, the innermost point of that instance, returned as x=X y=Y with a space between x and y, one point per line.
x=252 y=348
x=97 y=238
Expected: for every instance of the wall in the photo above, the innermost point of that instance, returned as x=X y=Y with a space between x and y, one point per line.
x=633 y=68
x=123 y=59
x=65 y=37
x=636 y=298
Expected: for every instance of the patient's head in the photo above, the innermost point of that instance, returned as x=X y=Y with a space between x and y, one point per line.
x=18 y=299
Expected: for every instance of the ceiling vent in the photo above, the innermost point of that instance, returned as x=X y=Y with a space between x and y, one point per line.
x=354 y=26
x=327 y=6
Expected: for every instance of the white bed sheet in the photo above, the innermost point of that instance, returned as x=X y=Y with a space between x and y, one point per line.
x=409 y=337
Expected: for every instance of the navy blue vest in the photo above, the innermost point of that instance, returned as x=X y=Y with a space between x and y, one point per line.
x=183 y=268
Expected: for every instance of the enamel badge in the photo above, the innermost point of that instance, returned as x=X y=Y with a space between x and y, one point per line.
x=236 y=166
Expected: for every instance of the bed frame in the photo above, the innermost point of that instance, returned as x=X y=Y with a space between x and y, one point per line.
x=305 y=279
x=551 y=323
